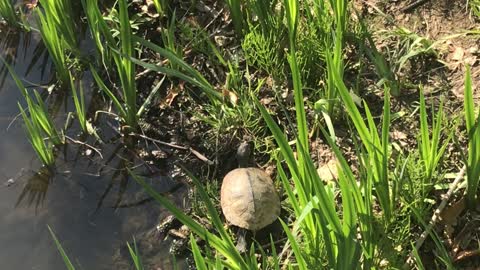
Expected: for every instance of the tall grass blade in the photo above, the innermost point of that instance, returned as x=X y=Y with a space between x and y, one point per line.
x=473 y=130
x=65 y=258
x=137 y=260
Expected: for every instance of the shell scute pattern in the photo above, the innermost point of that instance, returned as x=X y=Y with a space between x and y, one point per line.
x=249 y=199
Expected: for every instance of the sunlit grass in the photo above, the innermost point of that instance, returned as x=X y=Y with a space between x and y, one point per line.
x=55 y=44
x=60 y=17
x=126 y=105
x=473 y=130
x=161 y=6
x=431 y=149
x=100 y=32
x=39 y=124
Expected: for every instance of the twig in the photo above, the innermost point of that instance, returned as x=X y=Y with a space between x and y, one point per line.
x=193 y=151
x=86 y=144
x=414 y=5
x=436 y=215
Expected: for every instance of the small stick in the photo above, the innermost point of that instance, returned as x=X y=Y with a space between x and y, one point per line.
x=193 y=151
x=414 y=5
x=436 y=215
x=86 y=144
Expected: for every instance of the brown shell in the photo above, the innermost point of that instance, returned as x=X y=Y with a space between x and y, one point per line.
x=249 y=199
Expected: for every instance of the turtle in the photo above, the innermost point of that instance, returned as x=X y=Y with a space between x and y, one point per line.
x=248 y=197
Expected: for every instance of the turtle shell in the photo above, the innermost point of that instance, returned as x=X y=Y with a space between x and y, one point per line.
x=248 y=199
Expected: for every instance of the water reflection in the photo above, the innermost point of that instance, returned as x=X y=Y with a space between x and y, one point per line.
x=89 y=201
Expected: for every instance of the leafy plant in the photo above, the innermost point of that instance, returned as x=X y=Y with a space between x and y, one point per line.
x=79 y=102
x=473 y=130
x=184 y=71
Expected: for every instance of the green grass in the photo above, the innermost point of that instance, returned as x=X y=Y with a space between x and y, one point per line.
x=38 y=123
x=161 y=6
x=9 y=13
x=126 y=103
x=430 y=147
x=473 y=130
x=55 y=43
x=100 y=32
x=60 y=16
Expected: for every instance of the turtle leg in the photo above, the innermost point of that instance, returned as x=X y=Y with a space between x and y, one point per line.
x=241 y=241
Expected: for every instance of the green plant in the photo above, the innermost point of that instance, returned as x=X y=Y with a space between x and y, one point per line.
x=473 y=130
x=169 y=41
x=60 y=17
x=431 y=150
x=127 y=104
x=56 y=46
x=100 y=32
x=60 y=249
x=79 y=102
x=161 y=6
x=184 y=71
x=38 y=124
x=236 y=12
x=475 y=7
x=376 y=156
x=44 y=149
x=8 y=13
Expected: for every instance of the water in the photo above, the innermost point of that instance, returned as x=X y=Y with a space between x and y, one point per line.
x=88 y=202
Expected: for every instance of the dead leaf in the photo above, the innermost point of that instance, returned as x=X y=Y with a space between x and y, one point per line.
x=231 y=96
x=450 y=214
x=328 y=172
x=30 y=4
x=457 y=54
x=174 y=91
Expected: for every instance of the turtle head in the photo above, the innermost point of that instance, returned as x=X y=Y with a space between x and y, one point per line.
x=244 y=154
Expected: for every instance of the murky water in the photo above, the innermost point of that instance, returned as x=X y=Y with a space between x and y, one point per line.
x=90 y=202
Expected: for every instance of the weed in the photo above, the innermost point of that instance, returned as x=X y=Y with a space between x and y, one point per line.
x=430 y=148
x=38 y=124
x=100 y=32
x=56 y=45
x=127 y=104
x=60 y=17
x=473 y=130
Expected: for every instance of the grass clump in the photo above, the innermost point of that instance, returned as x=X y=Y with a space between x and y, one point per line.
x=9 y=13
x=126 y=104
x=56 y=45
x=60 y=16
